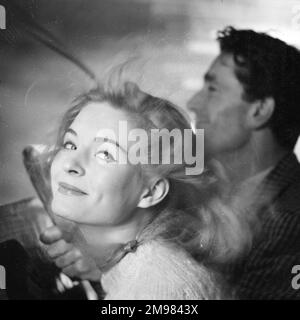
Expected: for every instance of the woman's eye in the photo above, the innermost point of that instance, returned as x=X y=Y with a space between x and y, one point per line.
x=105 y=155
x=69 y=145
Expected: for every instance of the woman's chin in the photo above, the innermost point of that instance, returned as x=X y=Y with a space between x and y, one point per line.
x=64 y=211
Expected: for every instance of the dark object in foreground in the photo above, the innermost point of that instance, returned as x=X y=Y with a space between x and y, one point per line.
x=30 y=274
x=14 y=259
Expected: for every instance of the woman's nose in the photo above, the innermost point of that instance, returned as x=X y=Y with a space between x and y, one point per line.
x=74 y=167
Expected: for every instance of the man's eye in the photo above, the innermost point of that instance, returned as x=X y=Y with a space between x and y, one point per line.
x=212 y=88
x=105 y=155
x=69 y=145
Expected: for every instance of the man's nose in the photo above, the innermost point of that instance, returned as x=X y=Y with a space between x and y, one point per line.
x=195 y=102
x=74 y=166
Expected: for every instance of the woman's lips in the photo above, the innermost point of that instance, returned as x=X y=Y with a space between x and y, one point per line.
x=70 y=190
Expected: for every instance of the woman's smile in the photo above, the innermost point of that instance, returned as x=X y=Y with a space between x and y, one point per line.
x=70 y=190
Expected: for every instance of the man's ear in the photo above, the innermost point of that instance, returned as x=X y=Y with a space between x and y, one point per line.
x=260 y=112
x=154 y=194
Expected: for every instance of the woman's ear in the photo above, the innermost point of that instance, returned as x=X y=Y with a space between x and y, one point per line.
x=261 y=112
x=154 y=194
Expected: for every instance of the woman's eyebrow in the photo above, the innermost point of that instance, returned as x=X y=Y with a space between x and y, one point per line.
x=70 y=130
x=106 y=139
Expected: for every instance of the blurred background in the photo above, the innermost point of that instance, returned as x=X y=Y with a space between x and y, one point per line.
x=168 y=45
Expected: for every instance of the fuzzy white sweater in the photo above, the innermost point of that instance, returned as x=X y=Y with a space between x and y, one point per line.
x=159 y=270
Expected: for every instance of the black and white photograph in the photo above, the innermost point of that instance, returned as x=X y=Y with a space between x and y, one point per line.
x=150 y=150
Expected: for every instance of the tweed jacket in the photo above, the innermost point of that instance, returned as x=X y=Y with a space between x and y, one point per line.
x=266 y=272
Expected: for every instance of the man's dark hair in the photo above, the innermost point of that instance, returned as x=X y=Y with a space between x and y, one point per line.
x=268 y=67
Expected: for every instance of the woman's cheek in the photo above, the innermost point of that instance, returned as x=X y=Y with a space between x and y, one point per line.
x=55 y=169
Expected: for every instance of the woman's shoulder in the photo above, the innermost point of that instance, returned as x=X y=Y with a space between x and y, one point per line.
x=176 y=264
x=162 y=270
x=160 y=252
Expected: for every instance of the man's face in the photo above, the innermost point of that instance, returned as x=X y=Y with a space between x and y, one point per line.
x=220 y=109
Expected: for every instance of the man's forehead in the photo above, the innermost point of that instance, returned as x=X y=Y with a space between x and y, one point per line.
x=223 y=64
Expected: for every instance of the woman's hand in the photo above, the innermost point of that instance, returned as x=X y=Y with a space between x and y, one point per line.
x=73 y=262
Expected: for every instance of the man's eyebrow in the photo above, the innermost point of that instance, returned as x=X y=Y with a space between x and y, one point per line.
x=71 y=131
x=106 y=139
x=209 y=77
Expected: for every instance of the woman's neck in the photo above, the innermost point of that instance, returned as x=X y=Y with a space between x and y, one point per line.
x=104 y=240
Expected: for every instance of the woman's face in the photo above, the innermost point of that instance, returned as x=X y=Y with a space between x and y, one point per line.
x=89 y=186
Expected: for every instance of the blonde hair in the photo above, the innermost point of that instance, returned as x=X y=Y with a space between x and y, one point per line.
x=208 y=229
